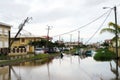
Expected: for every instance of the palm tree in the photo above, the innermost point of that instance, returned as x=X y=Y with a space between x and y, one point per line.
x=111 y=29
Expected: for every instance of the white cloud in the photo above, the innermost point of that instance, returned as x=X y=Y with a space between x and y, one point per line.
x=63 y=15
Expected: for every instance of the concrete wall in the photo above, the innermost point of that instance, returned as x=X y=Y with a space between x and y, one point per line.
x=114 y=50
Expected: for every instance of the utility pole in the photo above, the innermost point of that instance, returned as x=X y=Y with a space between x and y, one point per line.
x=116 y=40
x=20 y=28
x=70 y=37
x=59 y=37
x=70 y=40
x=48 y=29
x=78 y=37
x=9 y=40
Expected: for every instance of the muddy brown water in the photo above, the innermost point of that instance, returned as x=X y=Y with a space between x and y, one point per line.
x=66 y=68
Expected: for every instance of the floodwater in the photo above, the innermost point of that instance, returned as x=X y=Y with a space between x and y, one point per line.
x=66 y=68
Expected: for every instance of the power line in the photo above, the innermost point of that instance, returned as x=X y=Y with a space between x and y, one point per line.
x=99 y=27
x=84 y=25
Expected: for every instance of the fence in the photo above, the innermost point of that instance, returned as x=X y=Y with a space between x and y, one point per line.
x=5 y=51
x=18 y=50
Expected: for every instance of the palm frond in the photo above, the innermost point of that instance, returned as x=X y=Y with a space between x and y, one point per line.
x=110 y=30
x=112 y=24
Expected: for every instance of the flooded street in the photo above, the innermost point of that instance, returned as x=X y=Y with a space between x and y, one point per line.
x=67 y=68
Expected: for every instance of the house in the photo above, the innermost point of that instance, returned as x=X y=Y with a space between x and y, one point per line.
x=47 y=38
x=4 y=37
x=72 y=43
x=112 y=45
x=23 y=43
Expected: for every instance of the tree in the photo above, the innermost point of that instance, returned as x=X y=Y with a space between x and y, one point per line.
x=40 y=43
x=105 y=44
x=111 y=29
x=57 y=44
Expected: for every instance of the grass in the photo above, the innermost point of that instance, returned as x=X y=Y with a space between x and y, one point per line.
x=43 y=57
x=2 y=57
x=72 y=51
x=104 y=55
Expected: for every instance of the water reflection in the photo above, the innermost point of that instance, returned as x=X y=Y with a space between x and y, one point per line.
x=114 y=70
x=48 y=71
x=4 y=73
x=66 y=68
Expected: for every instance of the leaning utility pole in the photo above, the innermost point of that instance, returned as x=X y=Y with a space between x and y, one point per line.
x=48 y=29
x=20 y=28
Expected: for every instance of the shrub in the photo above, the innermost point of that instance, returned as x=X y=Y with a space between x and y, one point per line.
x=104 y=55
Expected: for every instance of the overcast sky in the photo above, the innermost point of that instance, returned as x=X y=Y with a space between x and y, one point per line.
x=62 y=15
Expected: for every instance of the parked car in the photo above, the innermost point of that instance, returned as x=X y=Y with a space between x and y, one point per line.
x=66 y=49
x=51 y=50
x=79 y=51
x=57 y=49
x=39 y=50
x=89 y=52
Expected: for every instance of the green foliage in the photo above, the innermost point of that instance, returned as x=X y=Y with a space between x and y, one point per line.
x=3 y=57
x=104 y=55
x=59 y=44
x=38 y=43
x=105 y=44
x=111 y=29
x=44 y=42
x=41 y=56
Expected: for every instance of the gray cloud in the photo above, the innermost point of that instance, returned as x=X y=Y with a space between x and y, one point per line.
x=73 y=12
x=11 y=11
x=101 y=3
x=53 y=15
x=95 y=2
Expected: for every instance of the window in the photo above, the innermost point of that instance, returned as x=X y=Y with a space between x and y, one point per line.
x=6 y=43
x=22 y=40
x=5 y=32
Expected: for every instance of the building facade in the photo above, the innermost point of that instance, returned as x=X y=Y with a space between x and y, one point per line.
x=23 y=43
x=4 y=37
x=72 y=43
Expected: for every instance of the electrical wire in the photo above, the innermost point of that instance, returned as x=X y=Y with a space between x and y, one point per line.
x=83 y=25
x=99 y=27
